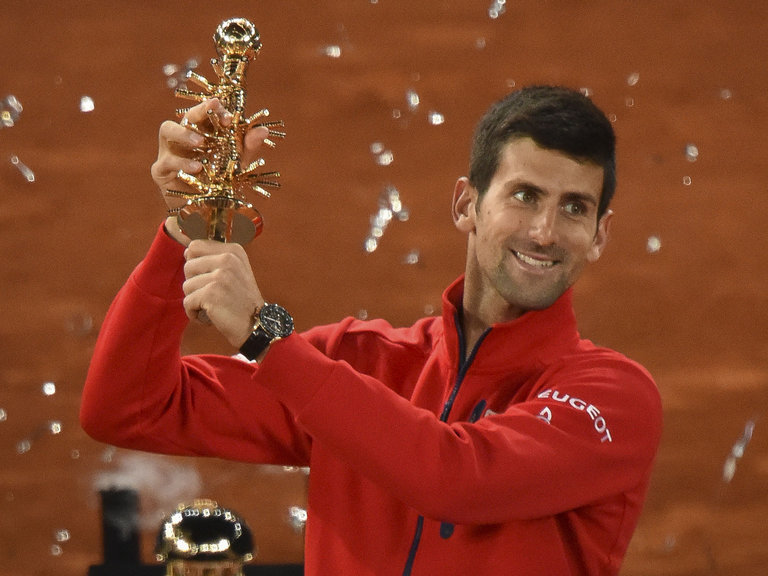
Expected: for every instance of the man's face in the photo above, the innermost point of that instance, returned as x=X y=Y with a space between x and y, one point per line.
x=533 y=231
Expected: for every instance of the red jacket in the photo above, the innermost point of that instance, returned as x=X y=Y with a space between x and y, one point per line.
x=532 y=458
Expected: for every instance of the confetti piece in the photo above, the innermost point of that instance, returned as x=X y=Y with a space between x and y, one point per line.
x=497 y=8
x=332 y=51
x=25 y=170
x=412 y=258
x=10 y=111
x=412 y=97
x=435 y=118
x=86 y=104
x=691 y=153
x=737 y=451
x=297 y=517
x=390 y=206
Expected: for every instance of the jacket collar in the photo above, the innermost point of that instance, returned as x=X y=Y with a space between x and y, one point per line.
x=538 y=337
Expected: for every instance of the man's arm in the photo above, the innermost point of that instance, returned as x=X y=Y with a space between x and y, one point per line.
x=510 y=465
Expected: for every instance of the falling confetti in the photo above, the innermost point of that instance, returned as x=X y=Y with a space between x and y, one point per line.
x=687 y=181
x=633 y=79
x=381 y=155
x=435 y=118
x=691 y=152
x=653 y=245
x=297 y=518
x=413 y=100
x=737 y=451
x=53 y=427
x=62 y=535
x=86 y=104
x=3 y=415
x=25 y=170
x=390 y=206
x=176 y=76
x=10 y=111
x=412 y=258
x=498 y=7
x=332 y=51
x=49 y=388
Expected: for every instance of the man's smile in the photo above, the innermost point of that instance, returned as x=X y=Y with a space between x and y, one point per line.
x=537 y=262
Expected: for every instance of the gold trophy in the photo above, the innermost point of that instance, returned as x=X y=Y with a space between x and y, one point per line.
x=203 y=539
x=217 y=207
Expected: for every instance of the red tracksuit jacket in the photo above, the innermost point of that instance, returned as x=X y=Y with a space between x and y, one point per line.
x=532 y=457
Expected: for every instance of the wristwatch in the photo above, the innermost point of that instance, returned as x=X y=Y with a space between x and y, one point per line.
x=272 y=322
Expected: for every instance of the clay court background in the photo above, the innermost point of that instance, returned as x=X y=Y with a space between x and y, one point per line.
x=681 y=287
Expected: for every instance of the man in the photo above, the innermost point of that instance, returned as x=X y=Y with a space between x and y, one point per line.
x=489 y=440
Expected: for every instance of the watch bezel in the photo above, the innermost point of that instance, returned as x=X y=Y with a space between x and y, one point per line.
x=270 y=313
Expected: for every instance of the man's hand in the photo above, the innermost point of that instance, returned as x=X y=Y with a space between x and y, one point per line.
x=220 y=281
x=179 y=149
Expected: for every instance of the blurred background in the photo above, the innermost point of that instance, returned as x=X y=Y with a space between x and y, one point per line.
x=379 y=99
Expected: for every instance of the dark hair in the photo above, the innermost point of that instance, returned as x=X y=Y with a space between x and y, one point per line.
x=555 y=118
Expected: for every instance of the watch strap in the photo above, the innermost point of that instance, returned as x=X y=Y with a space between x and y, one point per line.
x=257 y=342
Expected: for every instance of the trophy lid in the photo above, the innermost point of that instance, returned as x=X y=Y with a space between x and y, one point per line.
x=237 y=37
x=204 y=531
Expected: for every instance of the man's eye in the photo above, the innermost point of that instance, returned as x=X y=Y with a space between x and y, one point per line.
x=575 y=208
x=525 y=196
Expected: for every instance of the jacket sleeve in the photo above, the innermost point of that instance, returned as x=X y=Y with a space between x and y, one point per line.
x=140 y=393
x=545 y=455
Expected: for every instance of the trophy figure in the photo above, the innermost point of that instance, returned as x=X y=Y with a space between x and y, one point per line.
x=203 y=539
x=216 y=208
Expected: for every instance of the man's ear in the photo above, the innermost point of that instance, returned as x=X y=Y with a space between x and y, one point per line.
x=463 y=205
x=601 y=237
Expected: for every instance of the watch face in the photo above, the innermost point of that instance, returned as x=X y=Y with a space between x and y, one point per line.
x=276 y=320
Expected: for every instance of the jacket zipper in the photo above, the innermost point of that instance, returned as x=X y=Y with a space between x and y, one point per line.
x=463 y=368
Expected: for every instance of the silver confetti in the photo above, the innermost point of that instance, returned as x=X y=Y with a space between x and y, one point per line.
x=653 y=245
x=390 y=207
x=10 y=111
x=412 y=258
x=176 y=76
x=435 y=118
x=633 y=79
x=25 y=170
x=87 y=104
x=498 y=7
x=49 y=388
x=691 y=153
x=381 y=155
x=61 y=535
x=737 y=451
x=413 y=100
x=332 y=51
x=297 y=517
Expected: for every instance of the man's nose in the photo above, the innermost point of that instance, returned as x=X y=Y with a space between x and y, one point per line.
x=542 y=226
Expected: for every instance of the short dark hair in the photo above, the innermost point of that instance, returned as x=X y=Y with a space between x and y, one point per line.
x=554 y=117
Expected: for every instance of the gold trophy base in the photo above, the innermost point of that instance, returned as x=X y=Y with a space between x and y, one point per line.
x=220 y=218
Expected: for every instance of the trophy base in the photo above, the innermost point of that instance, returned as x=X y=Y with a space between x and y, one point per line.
x=220 y=218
